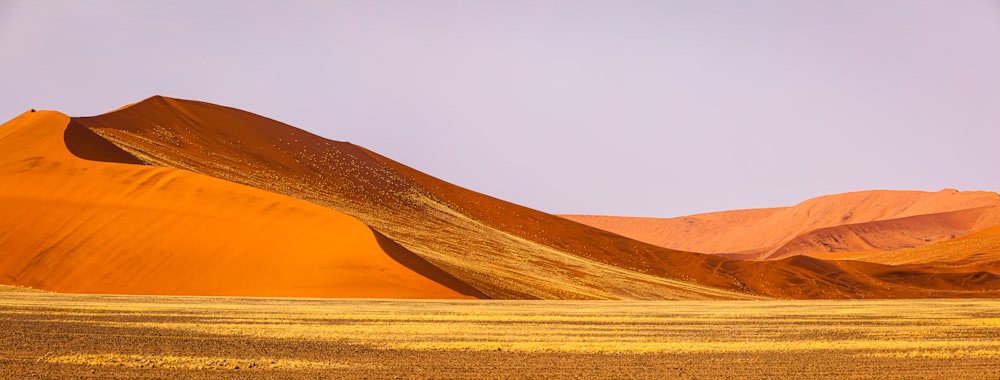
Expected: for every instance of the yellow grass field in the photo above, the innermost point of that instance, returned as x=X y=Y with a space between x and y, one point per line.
x=200 y=337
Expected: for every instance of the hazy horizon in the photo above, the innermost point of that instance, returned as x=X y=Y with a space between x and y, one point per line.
x=617 y=108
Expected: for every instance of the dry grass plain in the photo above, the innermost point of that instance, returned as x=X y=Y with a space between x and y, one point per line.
x=62 y=335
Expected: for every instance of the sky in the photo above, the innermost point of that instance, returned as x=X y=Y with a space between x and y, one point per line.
x=642 y=108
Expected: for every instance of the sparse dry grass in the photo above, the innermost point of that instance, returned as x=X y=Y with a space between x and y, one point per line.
x=186 y=336
x=18 y=289
x=186 y=362
x=939 y=354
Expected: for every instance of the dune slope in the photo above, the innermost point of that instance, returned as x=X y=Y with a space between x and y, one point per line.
x=80 y=216
x=501 y=249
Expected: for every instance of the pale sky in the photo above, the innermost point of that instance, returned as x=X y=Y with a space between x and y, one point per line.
x=645 y=108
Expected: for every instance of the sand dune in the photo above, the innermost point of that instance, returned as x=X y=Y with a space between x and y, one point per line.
x=80 y=216
x=885 y=235
x=169 y=196
x=859 y=221
x=974 y=249
x=502 y=249
x=706 y=233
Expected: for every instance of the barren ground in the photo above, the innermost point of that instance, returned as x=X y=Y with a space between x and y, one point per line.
x=60 y=335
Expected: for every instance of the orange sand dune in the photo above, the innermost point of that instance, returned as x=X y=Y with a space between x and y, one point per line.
x=885 y=235
x=504 y=250
x=72 y=223
x=973 y=249
x=707 y=233
x=501 y=249
x=844 y=222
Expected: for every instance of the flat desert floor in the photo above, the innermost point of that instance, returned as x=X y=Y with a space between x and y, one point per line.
x=63 y=335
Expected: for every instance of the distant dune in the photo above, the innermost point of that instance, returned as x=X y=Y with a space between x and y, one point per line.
x=886 y=235
x=170 y=196
x=852 y=222
x=978 y=248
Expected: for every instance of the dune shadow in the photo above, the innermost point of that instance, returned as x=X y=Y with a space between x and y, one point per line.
x=86 y=144
x=423 y=267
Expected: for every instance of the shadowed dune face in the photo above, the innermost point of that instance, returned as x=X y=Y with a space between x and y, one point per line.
x=498 y=248
x=89 y=146
x=425 y=268
x=851 y=222
x=95 y=225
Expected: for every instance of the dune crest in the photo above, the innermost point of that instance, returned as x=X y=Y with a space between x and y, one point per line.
x=81 y=216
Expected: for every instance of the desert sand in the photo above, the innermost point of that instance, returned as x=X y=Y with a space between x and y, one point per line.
x=171 y=196
x=80 y=216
